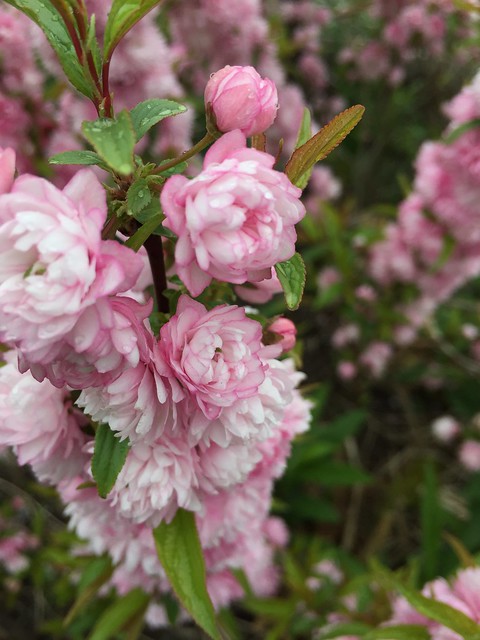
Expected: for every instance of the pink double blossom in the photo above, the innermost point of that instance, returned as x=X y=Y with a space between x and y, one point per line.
x=235 y=220
x=49 y=439
x=216 y=355
x=54 y=264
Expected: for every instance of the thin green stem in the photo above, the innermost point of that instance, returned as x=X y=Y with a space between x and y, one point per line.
x=207 y=139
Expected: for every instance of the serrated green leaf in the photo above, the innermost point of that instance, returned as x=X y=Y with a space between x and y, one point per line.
x=398 y=632
x=304 y=134
x=80 y=156
x=120 y=615
x=291 y=274
x=113 y=140
x=44 y=14
x=322 y=143
x=148 y=113
x=179 y=550
x=139 y=196
x=123 y=15
x=108 y=458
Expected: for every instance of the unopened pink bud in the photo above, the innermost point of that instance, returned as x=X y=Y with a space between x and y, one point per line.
x=7 y=169
x=241 y=99
x=287 y=330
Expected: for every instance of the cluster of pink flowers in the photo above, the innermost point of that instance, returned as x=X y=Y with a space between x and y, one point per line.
x=435 y=242
x=208 y=408
x=407 y=31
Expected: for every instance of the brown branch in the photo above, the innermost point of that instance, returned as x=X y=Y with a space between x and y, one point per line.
x=154 y=247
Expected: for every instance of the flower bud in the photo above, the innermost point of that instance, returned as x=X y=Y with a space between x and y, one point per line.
x=287 y=332
x=241 y=99
x=7 y=169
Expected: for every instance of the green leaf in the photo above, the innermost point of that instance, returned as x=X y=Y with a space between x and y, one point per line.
x=76 y=157
x=179 y=551
x=108 y=458
x=322 y=143
x=304 y=134
x=113 y=140
x=138 y=197
x=120 y=615
x=399 y=632
x=123 y=15
x=431 y=523
x=332 y=473
x=344 y=629
x=44 y=14
x=343 y=427
x=463 y=128
x=438 y=611
x=291 y=274
x=147 y=114
x=137 y=240
x=94 y=577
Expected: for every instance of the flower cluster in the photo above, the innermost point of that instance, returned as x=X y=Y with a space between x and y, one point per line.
x=435 y=241
x=206 y=406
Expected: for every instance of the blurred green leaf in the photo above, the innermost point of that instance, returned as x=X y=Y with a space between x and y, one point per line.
x=93 y=578
x=431 y=523
x=454 y=135
x=344 y=629
x=46 y=16
x=439 y=611
x=120 y=615
x=179 y=550
x=329 y=473
x=399 y=632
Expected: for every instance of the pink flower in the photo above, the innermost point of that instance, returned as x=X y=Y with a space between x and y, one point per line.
x=108 y=337
x=53 y=263
x=216 y=355
x=48 y=438
x=241 y=99
x=346 y=370
x=469 y=455
x=155 y=480
x=235 y=220
x=287 y=332
x=141 y=404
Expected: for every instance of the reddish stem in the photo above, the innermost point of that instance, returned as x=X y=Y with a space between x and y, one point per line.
x=154 y=246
